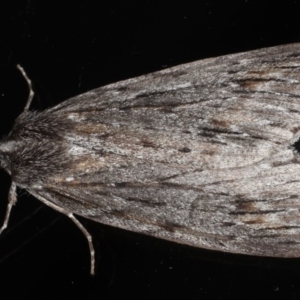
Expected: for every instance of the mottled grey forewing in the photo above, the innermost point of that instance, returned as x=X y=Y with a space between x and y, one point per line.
x=199 y=154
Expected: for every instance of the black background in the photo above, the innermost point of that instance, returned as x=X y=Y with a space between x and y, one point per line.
x=70 y=48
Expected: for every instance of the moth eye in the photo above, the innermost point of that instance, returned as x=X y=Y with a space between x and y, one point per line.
x=2 y=163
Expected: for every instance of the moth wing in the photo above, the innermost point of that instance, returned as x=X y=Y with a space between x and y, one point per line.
x=202 y=154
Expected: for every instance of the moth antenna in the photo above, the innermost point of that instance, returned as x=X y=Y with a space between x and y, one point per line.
x=77 y=223
x=12 y=200
x=31 y=92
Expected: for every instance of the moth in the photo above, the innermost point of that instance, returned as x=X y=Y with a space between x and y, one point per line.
x=205 y=154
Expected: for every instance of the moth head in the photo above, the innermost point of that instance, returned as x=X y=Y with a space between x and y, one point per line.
x=7 y=149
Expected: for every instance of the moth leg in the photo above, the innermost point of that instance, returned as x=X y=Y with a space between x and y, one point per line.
x=89 y=239
x=79 y=225
x=31 y=92
x=12 y=199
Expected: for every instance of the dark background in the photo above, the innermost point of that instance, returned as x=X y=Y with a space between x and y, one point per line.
x=68 y=49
